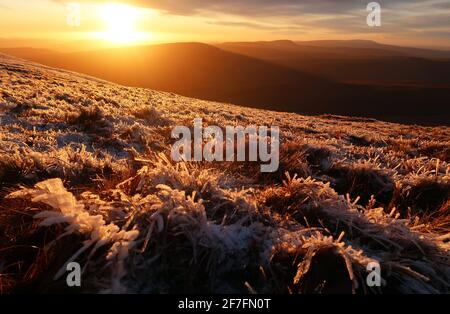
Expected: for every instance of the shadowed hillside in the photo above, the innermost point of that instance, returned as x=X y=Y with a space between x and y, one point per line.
x=352 y=61
x=210 y=73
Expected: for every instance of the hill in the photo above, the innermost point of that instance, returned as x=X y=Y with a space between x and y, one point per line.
x=354 y=61
x=369 y=44
x=209 y=73
x=85 y=176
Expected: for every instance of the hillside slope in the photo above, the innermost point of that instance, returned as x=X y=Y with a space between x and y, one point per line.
x=209 y=73
x=349 y=61
x=85 y=176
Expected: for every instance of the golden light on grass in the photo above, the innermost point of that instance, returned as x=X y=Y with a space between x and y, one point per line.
x=120 y=22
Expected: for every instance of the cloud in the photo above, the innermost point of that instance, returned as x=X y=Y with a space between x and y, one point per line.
x=259 y=7
x=338 y=16
x=252 y=7
x=288 y=8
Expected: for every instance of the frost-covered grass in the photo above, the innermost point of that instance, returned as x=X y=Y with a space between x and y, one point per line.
x=84 y=177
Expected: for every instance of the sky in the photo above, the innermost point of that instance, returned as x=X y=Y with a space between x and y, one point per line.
x=403 y=22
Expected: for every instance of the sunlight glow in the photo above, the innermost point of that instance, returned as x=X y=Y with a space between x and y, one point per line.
x=120 y=22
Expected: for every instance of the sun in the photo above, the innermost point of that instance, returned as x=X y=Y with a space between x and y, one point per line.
x=120 y=22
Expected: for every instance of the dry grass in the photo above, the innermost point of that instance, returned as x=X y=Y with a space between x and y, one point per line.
x=86 y=163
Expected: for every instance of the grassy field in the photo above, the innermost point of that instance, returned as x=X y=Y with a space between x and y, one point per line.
x=85 y=176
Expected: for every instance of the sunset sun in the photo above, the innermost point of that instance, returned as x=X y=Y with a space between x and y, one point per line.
x=120 y=23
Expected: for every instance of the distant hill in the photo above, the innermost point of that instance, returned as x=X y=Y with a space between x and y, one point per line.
x=369 y=44
x=35 y=54
x=345 y=61
x=282 y=49
x=211 y=73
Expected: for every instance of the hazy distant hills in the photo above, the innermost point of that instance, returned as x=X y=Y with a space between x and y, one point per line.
x=285 y=48
x=357 y=60
x=332 y=48
x=369 y=44
x=281 y=75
